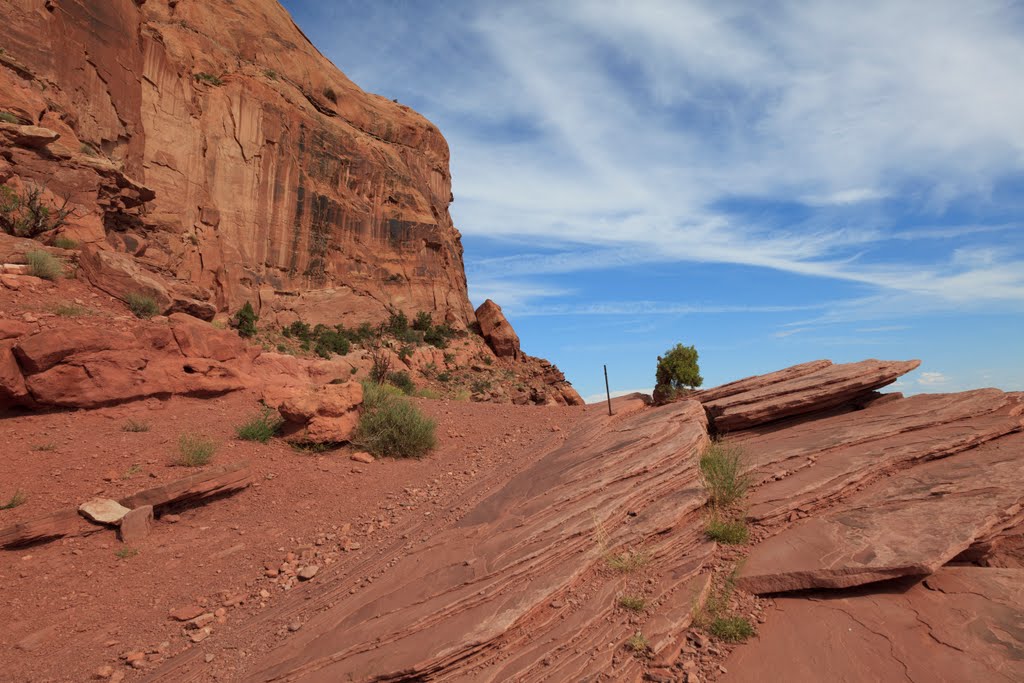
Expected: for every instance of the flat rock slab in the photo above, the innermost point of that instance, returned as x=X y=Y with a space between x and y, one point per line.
x=800 y=392
x=909 y=524
x=961 y=624
x=103 y=511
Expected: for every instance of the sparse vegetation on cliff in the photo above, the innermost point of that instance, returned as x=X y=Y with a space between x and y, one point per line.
x=28 y=214
x=721 y=469
x=203 y=77
x=245 y=321
x=141 y=305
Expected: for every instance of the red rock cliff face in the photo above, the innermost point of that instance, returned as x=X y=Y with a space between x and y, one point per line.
x=212 y=142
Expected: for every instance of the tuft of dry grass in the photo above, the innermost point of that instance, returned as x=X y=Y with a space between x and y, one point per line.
x=195 y=450
x=632 y=603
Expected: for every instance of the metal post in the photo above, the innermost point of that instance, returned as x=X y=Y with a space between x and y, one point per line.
x=606 y=390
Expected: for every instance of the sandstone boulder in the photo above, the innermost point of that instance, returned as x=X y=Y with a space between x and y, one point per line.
x=323 y=414
x=136 y=524
x=499 y=334
x=808 y=388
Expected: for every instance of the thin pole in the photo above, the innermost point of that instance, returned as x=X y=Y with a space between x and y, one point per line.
x=606 y=391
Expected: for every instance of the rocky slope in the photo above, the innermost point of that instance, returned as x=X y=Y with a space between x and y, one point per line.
x=210 y=157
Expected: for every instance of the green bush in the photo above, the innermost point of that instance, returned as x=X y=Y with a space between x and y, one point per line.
x=64 y=243
x=44 y=265
x=733 y=629
x=391 y=425
x=423 y=321
x=397 y=324
x=677 y=373
x=632 y=603
x=195 y=450
x=270 y=73
x=245 y=321
x=730 y=532
x=260 y=427
x=403 y=381
x=8 y=117
x=141 y=305
x=721 y=468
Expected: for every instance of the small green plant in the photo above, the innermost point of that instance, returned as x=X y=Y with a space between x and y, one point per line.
x=270 y=73
x=43 y=265
x=14 y=501
x=677 y=373
x=46 y=447
x=627 y=562
x=309 y=446
x=141 y=305
x=730 y=532
x=245 y=321
x=203 y=77
x=132 y=471
x=135 y=426
x=260 y=427
x=70 y=310
x=480 y=386
x=734 y=629
x=397 y=324
x=64 y=242
x=632 y=603
x=126 y=553
x=721 y=468
x=8 y=117
x=638 y=644
x=195 y=450
x=392 y=426
x=88 y=150
x=330 y=94
x=444 y=377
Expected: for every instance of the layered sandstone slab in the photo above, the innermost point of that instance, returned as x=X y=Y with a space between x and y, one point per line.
x=806 y=466
x=499 y=596
x=808 y=388
x=960 y=624
x=909 y=524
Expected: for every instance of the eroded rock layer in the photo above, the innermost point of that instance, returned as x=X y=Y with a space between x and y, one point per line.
x=799 y=390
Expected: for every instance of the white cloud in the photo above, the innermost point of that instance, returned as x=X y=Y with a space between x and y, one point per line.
x=931 y=379
x=852 y=196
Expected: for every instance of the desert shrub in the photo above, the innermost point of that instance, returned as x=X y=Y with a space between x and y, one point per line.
x=195 y=450
x=444 y=377
x=427 y=392
x=135 y=426
x=270 y=73
x=677 y=373
x=406 y=351
x=728 y=531
x=330 y=94
x=627 y=562
x=733 y=629
x=480 y=386
x=44 y=265
x=632 y=603
x=245 y=321
x=438 y=336
x=260 y=427
x=721 y=468
x=391 y=425
x=403 y=381
x=126 y=553
x=88 y=150
x=204 y=77
x=397 y=324
x=18 y=498
x=64 y=242
x=141 y=305
x=329 y=341
x=70 y=310
x=638 y=644
x=8 y=117
x=423 y=321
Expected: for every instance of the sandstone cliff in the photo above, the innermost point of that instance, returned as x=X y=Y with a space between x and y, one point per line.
x=216 y=145
x=210 y=156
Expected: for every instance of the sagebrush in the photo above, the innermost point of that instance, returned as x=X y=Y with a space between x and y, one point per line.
x=392 y=426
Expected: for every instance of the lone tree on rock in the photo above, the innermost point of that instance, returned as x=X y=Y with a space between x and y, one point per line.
x=677 y=373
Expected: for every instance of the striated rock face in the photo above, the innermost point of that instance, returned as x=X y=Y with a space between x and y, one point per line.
x=215 y=145
x=808 y=388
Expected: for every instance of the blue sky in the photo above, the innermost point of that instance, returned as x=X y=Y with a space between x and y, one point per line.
x=772 y=182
